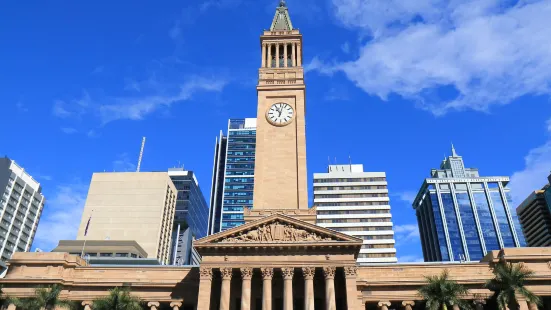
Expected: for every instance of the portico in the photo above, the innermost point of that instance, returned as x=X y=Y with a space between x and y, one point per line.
x=278 y=263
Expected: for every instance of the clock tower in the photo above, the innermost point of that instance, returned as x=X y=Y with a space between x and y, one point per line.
x=280 y=166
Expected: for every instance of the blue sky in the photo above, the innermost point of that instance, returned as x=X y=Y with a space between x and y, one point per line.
x=390 y=83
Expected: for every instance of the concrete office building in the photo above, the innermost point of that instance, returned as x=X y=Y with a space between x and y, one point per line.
x=191 y=216
x=233 y=175
x=535 y=217
x=463 y=216
x=21 y=204
x=136 y=206
x=356 y=203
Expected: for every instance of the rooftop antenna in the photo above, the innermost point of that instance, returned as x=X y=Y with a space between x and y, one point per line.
x=141 y=155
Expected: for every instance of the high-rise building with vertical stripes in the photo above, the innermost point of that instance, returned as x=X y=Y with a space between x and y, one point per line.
x=356 y=203
x=463 y=216
x=21 y=204
x=233 y=175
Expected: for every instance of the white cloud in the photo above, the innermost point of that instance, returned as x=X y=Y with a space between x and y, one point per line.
x=21 y=107
x=124 y=164
x=407 y=196
x=483 y=52
x=175 y=31
x=407 y=232
x=61 y=217
x=534 y=175
x=135 y=108
x=68 y=130
x=345 y=48
x=98 y=69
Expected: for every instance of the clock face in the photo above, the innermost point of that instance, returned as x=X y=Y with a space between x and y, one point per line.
x=280 y=114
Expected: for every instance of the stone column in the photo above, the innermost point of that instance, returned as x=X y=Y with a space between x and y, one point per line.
x=308 y=273
x=175 y=305
x=299 y=54
x=455 y=307
x=329 y=274
x=383 y=305
x=532 y=306
x=269 y=55
x=277 y=61
x=408 y=304
x=225 y=291
x=288 y=288
x=205 y=283
x=246 y=276
x=153 y=305
x=267 y=275
x=87 y=305
x=285 y=55
x=350 y=273
x=11 y=307
x=263 y=54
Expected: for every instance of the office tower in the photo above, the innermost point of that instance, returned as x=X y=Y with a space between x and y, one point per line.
x=21 y=204
x=356 y=203
x=233 y=175
x=136 y=206
x=191 y=216
x=535 y=217
x=463 y=216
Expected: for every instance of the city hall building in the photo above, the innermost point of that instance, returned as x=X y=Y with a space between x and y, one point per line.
x=278 y=259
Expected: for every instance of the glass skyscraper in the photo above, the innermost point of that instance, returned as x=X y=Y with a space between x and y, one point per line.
x=233 y=175
x=463 y=216
x=190 y=218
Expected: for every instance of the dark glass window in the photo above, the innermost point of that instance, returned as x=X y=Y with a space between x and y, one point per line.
x=469 y=226
x=502 y=220
x=486 y=221
x=439 y=224
x=453 y=227
x=516 y=221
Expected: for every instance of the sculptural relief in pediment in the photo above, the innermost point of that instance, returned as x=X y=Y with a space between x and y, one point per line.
x=276 y=232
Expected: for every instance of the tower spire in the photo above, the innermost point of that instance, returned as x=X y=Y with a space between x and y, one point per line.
x=281 y=20
x=454 y=154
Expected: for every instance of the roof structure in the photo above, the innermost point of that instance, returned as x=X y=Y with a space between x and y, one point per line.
x=282 y=21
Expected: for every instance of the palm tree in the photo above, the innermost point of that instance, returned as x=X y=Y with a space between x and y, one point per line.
x=439 y=292
x=118 y=299
x=509 y=282
x=46 y=298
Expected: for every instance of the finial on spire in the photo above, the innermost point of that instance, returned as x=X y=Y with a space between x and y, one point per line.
x=282 y=3
x=454 y=154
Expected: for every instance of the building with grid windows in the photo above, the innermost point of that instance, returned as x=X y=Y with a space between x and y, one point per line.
x=233 y=175
x=356 y=203
x=463 y=216
x=190 y=218
x=535 y=217
x=21 y=204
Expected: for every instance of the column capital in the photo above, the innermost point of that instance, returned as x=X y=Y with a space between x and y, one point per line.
x=154 y=305
x=246 y=273
x=267 y=273
x=288 y=273
x=226 y=273
x=350 y=271
x=175 y=305
x=205 y=273
x=308 y=272
x=383 y=305
x=408 y=304
x=87 y=302
x=329 y=272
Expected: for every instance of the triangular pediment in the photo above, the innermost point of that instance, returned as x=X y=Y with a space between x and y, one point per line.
x=280 y=229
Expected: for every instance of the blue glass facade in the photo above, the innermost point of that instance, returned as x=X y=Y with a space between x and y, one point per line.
x=191 y=215
x=233 y=191
x=463 y=216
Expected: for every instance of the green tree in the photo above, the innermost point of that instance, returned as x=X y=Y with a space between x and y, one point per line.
x=118 y=299
x=45 y=298
x=509 y=282
x=439 y=292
